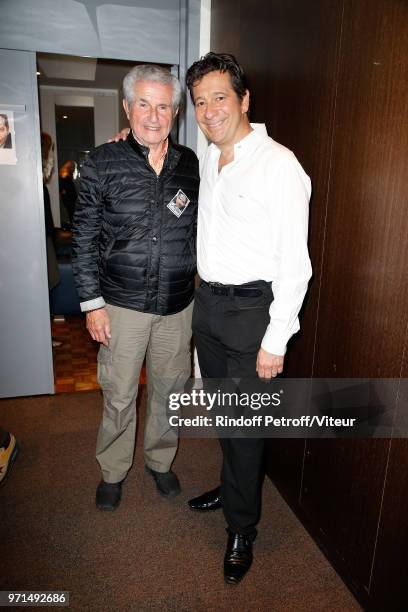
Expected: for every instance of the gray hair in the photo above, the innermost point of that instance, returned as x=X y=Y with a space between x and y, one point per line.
x=150 y=72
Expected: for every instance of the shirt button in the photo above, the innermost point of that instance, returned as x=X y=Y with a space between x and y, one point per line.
x=154 y=239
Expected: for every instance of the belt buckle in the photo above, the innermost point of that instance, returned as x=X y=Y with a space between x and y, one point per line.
x=219 y=288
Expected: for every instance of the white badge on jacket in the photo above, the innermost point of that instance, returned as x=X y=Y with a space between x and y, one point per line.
x=179 y=203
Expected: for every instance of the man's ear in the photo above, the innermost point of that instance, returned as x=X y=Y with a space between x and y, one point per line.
x=126 y=108
x=245 y=102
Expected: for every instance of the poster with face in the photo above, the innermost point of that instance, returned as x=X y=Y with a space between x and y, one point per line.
x=178 y=203
x=7 y=138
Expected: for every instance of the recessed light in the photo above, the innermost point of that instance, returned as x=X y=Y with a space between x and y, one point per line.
x=38 y=73
x=65 y=116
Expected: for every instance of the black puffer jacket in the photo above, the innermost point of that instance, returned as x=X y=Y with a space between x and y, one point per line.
x=128 y=247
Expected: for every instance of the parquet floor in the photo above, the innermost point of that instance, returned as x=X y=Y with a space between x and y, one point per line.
x=75 y=360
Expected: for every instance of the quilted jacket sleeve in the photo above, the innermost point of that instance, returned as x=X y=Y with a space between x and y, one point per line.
x=86 y=230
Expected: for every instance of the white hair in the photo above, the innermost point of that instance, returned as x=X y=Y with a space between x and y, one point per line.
x=150 y=72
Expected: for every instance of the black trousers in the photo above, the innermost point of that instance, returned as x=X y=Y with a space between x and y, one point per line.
x=228 y=330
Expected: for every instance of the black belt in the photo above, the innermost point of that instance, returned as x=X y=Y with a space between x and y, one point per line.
x=239 y=290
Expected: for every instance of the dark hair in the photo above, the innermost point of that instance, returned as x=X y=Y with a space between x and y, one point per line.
x=46 y=145
x=223 y=62
x=5 y=119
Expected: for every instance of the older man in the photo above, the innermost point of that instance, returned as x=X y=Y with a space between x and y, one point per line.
x=134 y=267
x=254 y=265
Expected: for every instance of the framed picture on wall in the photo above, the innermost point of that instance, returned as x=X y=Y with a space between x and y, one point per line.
x=7 y=138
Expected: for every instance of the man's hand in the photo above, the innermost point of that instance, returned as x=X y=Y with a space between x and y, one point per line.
x=98 y=325
x=268 y=365
x=122 y=135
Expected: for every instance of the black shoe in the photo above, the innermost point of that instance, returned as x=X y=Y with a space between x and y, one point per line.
x=108 y=495
x=207 y=502
x=167 y=483
x=238 y=557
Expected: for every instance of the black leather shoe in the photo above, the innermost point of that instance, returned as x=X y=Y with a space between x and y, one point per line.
x=238 y=557
x=108 y=495
x=167 y=483
x=207 y=502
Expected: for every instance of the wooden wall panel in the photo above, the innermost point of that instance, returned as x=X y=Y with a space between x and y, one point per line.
x=284 y=461
x=363 y=308
x=390 y=563
x=388 y=587
x=342 y=490
x=330 y=80
x=226 y=26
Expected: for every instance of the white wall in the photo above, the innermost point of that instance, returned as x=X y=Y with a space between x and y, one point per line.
x=106 y=118
x=205 y=34
x=26 y=357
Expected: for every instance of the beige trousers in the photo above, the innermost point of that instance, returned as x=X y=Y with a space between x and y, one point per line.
x=165 y=341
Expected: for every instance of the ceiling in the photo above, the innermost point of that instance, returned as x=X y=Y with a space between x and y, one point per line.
x=71 y=71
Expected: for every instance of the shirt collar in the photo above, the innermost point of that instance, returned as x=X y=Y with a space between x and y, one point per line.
x=249 y=143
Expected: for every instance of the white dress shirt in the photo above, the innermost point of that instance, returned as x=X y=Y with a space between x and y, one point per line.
x=252 y=225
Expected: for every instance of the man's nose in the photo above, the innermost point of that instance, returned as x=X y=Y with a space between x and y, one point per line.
x=154 y=116
x=209 y=110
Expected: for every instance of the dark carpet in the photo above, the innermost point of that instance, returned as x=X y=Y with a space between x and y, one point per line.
x=152 y=553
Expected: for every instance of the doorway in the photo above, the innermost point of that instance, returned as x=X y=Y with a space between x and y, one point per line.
x=80 y=107
x=74 y=140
